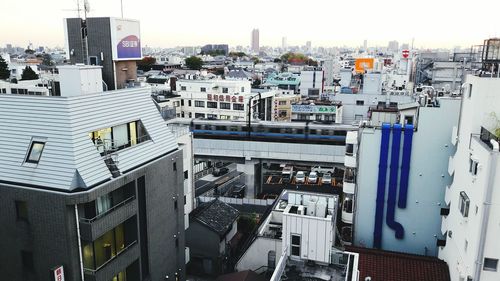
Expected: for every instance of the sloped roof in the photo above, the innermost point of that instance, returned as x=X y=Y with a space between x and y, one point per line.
x=216 y=215
x=69 y=159
x=392 y=266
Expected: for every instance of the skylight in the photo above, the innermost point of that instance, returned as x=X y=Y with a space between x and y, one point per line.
x=35 y=152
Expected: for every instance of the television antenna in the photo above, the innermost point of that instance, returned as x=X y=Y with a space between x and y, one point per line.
x=85 y=9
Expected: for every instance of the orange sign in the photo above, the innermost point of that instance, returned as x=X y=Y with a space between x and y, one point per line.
x=361 y=65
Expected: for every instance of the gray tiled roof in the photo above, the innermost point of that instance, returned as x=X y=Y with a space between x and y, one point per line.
x=216 y=215
x=70 y=160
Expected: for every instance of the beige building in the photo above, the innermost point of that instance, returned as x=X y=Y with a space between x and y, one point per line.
x=282 y=107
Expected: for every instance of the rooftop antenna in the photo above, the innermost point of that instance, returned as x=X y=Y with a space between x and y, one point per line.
x=86 y=8
x=121 y=4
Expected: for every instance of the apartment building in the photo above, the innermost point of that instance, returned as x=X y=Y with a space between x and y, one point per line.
x=222 y=99
x=470 y=214
x=91 y=186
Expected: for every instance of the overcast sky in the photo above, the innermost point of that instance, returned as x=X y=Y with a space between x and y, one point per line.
x=169 y=23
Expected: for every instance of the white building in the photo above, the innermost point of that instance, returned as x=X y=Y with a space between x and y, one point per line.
x=221 y=99
x=300 y=229
x=311 y=82
x=471 y=218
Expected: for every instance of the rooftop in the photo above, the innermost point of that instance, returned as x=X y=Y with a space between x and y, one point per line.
x=216 y=215
x=391 y=266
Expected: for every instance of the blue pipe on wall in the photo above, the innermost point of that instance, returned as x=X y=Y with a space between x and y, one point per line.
x=405 y=166
x=382 y=174
x=393 y=183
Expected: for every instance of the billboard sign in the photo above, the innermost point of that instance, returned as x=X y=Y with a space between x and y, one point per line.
x=126 y=39
x=363 y=64
x=304 y=108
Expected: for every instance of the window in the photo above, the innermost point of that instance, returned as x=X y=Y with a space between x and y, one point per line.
x=466 y=245
x=175 y=204
x=464 y=204
x=190 y=115
x=183 y=88
x=282 y=102
x=185 y=200
x=469 y=89
x=119 y=137
x=186 y=174
x=182 y=102
x=350 y=175
x=349 y=149
x=490 y=264
x=199 y=103
x=212 y=116
x=22 y=210
x=189 y=102
x=242 y=89
x=225 y=105
x=212 y=104
x=238 y=106
x=295 y=245
x=225 y=90
x=318 y=117
x=473 y=166
x=103 y=203
x=203 y=89
x=27 y=260
x=35 y=152
x=360 y=102
x=347 y=205
x=174 y=166
x=197 y=115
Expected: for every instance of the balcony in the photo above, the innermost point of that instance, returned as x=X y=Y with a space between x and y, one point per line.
x=92 y=228
x=114 y=265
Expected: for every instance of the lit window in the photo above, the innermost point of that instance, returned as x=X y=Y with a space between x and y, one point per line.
x=35 y=152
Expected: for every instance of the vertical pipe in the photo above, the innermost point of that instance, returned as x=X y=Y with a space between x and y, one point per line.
x=79 y=241
x=393 y=183
x=382 y=174
x=405 y=166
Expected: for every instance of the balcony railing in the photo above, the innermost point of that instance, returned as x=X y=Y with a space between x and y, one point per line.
x=124 y=202
x=94 y=271
x=486 y=136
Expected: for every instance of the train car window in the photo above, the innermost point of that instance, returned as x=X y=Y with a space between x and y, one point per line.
x=299 y=131
x=261 y=129
x=220 y=128
x=288 y=131
x=340 y=133
x=197 y=127
x=234 y=128
x=313 y=131
x=274 y=130
x=244 y=129
x=325 y=132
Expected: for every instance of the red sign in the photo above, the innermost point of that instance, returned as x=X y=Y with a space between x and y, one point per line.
x=228 y=98
x=216 y=97
x=406 y=53
x=240 y=98
x=209 y=96
x=233 y=98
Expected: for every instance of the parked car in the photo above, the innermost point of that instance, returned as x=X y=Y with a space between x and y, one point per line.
x=300 y=177
x=327 y=179
x=220 y=171
x=238 y=190
x=313 y=177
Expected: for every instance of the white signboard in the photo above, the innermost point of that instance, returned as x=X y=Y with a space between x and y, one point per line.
x=305 y=108
x=126 y=39
x=59 y=273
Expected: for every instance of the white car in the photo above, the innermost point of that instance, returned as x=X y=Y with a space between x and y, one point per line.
x=313 y=177
x=300 y=177
x=327 y=179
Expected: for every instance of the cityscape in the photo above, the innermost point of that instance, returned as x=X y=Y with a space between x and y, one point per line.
x=127 y=158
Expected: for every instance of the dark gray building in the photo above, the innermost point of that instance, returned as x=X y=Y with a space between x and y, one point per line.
x=111 y=43
x=215 y=47
x=212 y=226
x=90 y=183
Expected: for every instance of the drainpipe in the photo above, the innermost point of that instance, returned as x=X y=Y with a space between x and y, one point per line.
x=79 y=242
x=487 y=203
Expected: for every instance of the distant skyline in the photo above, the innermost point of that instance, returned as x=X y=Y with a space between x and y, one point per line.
x=433 y=24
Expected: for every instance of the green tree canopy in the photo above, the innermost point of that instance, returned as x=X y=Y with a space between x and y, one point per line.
x=237 y=54
x=194 y=63
x=4 y=69
x=29 y=74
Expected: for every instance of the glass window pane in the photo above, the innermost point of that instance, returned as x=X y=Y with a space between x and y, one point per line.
x=120 y=135
x=104 y=248
x=133 y=133
x=35 y=152
x=88 y=256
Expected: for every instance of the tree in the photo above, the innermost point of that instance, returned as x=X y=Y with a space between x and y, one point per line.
x=194 y=63
x=4 y=69
x=29 y=51
x=256 y=83
x=146 y=63
x=29 y=74
x=47 y=60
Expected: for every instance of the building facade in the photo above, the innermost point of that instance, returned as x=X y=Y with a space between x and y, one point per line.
x=470 y=214
x=91 y=188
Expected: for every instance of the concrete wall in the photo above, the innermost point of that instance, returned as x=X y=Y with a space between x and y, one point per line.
x=427 y=183
x=256 y=256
